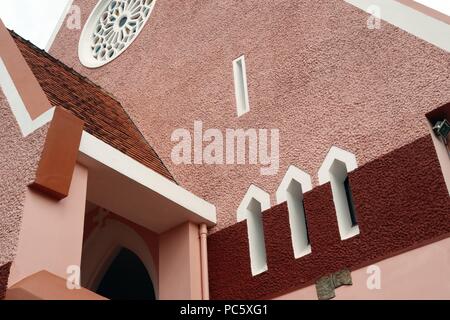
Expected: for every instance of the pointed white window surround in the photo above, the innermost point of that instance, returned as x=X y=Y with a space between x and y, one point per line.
x=18 y=108
x=254 y=203
x=294 y=184
x=334 y=169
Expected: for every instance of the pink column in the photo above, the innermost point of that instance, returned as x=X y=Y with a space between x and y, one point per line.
x=51 y=235
x=179 y=263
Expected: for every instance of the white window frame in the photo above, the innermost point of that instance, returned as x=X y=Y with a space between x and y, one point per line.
x=334 y=169
x=253 y=204
x=294 y=184
x=240 y=86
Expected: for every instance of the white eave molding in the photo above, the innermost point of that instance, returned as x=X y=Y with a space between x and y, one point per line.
x=127 y=166
x=410 y=20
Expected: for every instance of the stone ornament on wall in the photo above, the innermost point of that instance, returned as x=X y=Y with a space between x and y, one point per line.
x=325 y=286
x=110 y=29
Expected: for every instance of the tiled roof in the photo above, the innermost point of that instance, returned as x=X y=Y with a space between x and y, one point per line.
x=103 y=115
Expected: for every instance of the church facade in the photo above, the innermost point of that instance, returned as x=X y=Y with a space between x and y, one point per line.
x=228 y=150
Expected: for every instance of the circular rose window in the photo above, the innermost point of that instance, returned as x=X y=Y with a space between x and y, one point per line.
x=111 y=28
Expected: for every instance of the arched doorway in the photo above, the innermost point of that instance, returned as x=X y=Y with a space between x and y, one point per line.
x=115 y=251
x=126 y=278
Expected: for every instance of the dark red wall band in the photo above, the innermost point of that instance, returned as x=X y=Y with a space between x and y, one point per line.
x=4 y=275
x=401 y=203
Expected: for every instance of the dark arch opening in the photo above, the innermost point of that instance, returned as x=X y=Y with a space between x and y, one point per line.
x=126 y=279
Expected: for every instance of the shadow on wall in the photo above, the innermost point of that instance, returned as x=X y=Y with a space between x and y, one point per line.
x=126 y=279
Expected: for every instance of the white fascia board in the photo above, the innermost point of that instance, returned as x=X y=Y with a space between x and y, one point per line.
x=26 y=124
x=58 y=26
x=410 y=20
x=127 y=166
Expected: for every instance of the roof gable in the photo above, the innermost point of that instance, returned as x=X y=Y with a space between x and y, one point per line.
x=103 y=115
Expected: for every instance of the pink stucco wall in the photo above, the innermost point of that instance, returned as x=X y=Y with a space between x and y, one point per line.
x=179 y=258
x=314 y=71
x=19 y=159
x=51 y=233
x=418 y=274
x=150 y=238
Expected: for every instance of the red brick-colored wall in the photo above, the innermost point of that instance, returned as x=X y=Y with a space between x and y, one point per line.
x=4 y=274
x=401 y=203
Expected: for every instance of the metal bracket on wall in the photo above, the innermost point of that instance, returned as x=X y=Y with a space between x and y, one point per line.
x=325 y=286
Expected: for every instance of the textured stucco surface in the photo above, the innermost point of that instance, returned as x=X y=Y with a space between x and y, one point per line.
x=315 y=71
x=401 y=203
x=19 y=158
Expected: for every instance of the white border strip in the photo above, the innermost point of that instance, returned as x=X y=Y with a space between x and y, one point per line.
x=58 y=26
x=410 y=20
x=26 y=124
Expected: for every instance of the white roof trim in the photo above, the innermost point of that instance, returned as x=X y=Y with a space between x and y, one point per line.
x=23 y=118
x=127 y=166
x=410 y=20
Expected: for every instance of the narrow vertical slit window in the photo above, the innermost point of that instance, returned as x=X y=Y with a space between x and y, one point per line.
x=251 y=209
x=306 y=225
x=343 y=200
x=351 y=205
x=256 y=238
x=297 y=220
x=335 y=169
x=240 y=86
